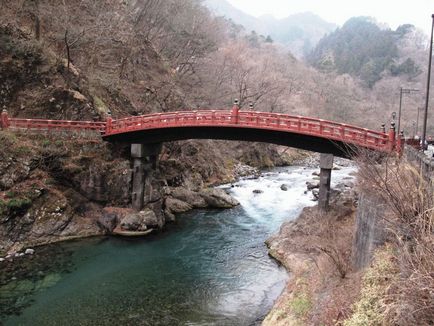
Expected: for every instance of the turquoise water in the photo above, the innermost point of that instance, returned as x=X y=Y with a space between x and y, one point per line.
x=210 y=268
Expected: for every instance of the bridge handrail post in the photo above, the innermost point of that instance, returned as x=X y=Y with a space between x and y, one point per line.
x=108 y=125
x=235 y=111
x=4 y=120
x=392 y=137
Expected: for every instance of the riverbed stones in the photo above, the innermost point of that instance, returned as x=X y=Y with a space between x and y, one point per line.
x=29 y=251
x=257 y=191
x=284 y=187
x=242 y=170
x=312 y=185
x=218 y=198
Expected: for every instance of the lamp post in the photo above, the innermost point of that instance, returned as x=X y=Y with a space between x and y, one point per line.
x=403 y=91
x=425 y=118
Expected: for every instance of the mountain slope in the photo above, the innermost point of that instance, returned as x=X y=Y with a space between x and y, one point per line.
x=362 y=49
x=299 y=32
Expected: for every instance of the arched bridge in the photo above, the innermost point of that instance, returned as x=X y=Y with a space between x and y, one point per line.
x=294 y=131
x=282 y=129
x=153 y=129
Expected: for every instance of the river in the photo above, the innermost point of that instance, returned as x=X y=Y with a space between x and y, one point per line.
x=209 y=268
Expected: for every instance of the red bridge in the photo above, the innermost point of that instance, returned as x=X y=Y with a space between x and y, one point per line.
x=294 y=131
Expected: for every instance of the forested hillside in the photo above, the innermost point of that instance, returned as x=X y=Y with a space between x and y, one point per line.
x=362 y=49
x=151 y=56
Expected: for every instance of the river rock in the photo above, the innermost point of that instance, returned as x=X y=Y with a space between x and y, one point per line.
x=140 y=221
x=169 y=216
x=151 y=219
x=29 y=251
x=218 y=198
x=284 y=187
x=257 y=191
x=188 y=196
x=2 y=260
x=312 y=185
x=315 y=193
x=316 y=174
x=177 y=206
x=242 y=170
x=108 y=221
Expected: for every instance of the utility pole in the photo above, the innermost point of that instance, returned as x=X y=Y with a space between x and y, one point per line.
x=428 y=86
x=403 y=91
x=417 y=119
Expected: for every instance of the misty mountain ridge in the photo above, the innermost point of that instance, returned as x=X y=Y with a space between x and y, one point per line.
x=300 y=32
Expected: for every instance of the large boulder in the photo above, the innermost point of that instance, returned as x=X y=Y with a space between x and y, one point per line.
x=218 y=198
x=191 y=197
x=140 y=221
x=177 y=206
x=108 y=221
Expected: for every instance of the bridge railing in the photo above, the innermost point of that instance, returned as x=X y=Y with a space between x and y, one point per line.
x=263 y=120
x=55 y=125
x=215 y=118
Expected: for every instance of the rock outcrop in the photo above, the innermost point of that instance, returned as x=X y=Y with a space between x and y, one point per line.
x=141 y=221
x=218 y=198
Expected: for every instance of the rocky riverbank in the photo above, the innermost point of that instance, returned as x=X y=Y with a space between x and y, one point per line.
x=316 y=250
x=56 y=188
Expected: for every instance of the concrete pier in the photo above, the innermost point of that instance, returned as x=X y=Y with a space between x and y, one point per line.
x=326 y=166
x=145 y=158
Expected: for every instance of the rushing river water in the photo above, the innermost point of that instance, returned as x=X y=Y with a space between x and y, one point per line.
x=210 y=268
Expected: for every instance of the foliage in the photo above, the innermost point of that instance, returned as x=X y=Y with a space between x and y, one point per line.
x=369 y=309
x=2 y=208
x=408 y=67
x=300 y=303
x=13 y=206
x=410 y=219
x=17 y=204
x=362 y=49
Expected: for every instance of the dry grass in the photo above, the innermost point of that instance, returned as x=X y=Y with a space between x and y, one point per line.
x=316 y=248
x=409 y=299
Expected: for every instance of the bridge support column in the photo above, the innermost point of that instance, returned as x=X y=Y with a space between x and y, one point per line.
x=326 y=166
x=145 y=158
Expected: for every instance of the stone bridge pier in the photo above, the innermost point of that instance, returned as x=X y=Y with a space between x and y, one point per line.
x=326 y=166
x=145 y=159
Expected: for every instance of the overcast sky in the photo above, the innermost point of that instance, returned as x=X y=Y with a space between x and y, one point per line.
x=392 y=12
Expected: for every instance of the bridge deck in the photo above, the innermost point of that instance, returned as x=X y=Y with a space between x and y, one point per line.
x=276 y=128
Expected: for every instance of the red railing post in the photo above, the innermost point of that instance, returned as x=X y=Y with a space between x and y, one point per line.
x=4 y=120
x=108 y=125
x=392 y=137
x=235 y=111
